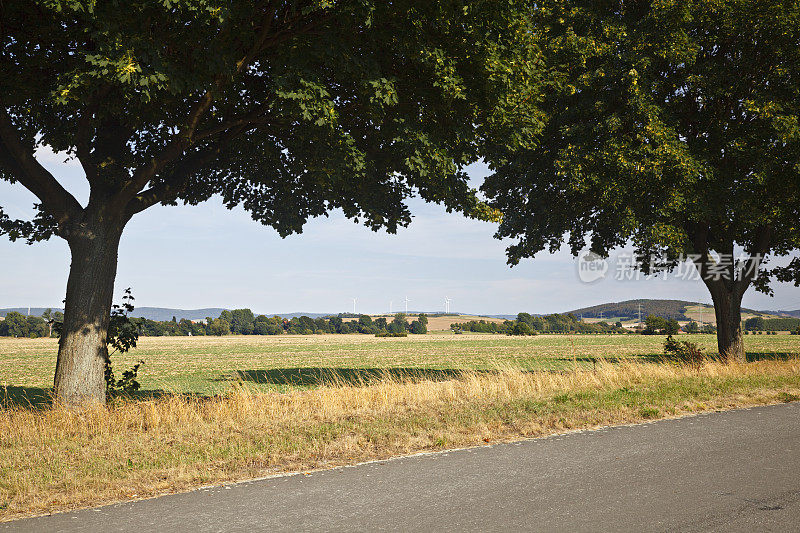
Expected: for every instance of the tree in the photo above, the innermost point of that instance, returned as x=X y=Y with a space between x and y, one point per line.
x=242 y=321
x=219 y=327
x=672 y=327
x=692 y=327
x=14 y=325
x=672 y=125
x=289 y=109
x=755 y=323
x=654 y=324
x=399 y=323
x=418 y=328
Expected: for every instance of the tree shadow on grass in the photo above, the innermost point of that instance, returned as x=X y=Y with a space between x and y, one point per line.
x=41 y=398
x=316 y=376
x=771 y=356
x=647 y=358
x=33 y=398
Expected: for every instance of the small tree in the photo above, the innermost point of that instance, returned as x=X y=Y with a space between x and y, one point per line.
x=654 y=324
x=399 y=323
x=692 y=327
x=672 y=327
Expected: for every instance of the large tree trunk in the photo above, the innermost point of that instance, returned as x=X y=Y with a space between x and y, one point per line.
x=727 y=298
x=82 y=353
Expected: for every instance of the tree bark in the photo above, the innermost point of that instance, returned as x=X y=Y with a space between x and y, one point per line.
x=83 y=352
x=727 y=300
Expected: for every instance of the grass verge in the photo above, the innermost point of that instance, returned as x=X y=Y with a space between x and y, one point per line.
x=57 y=459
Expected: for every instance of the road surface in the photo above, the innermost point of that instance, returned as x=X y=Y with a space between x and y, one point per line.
x=731 y=471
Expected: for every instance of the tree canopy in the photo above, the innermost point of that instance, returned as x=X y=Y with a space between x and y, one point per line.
x=674 y=125
x=289 y=109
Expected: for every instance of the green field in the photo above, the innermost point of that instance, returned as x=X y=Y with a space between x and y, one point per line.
x=208 y=365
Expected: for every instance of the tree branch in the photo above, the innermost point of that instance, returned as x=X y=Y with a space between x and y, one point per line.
x=83 y=134
x=171 y=187
x=757 y=253
x=56 y=200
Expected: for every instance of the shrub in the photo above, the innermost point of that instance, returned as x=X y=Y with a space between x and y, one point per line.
x=392 y=334
x=683 y=352
x=123 y=334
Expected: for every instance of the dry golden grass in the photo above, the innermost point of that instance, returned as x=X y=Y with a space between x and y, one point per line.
x=58 y=459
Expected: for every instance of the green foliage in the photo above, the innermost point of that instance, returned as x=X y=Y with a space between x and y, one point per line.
x=708 y=329
x=526 y=324
x=391 y=334
x=123 y=334
x=128 y=384
x=18 y=325
x=417 y=328
x=219 y=327
x=654 y=324
x=520 y=328
x=651 y=109
x=781 y=324
x=692 y=327
x=399 y=324
x=754 y=323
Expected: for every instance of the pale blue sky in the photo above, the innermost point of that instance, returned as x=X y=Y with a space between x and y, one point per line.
x=207 y=256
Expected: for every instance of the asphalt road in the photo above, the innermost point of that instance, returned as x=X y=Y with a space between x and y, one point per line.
x=732 y=471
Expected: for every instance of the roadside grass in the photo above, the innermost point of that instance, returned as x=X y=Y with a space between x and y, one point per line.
x=58 y=459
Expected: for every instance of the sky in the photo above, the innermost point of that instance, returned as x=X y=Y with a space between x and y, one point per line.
x=207 y=256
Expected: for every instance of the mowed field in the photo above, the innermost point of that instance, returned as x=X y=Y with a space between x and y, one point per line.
x=211 y=365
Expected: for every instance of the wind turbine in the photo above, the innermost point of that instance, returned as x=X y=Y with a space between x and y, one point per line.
x=447 y=305
x=390 y=306
x=354 y=305
x=407 y=304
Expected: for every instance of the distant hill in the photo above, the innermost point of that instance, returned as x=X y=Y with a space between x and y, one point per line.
x=34 y=311
x=676 y=309
x=795 y=313
x=630 y=309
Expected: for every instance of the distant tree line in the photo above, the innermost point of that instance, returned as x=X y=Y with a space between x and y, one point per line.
x=245 y=322
x=19 y=325
x=527 y=324
x=758 y=323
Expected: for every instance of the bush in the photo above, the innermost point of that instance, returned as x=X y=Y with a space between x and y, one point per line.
x=683 y=352
x=392 y=334
x=521 y=328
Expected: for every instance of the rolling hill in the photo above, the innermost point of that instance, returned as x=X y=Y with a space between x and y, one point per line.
x=677 y=309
